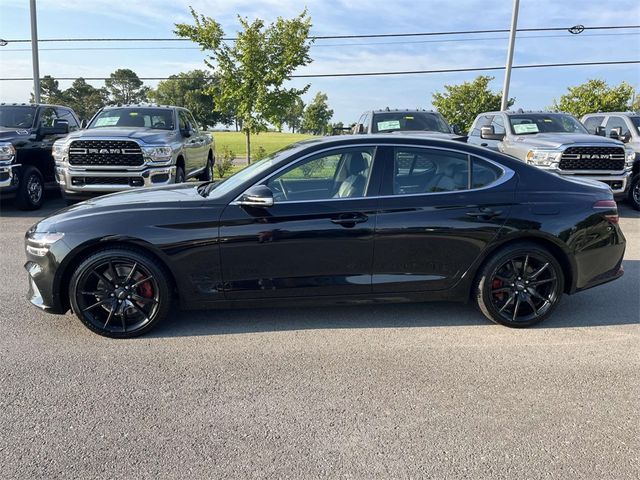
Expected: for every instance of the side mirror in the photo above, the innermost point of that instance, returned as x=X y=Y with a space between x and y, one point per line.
x=456 y=129
x=615 y=133
x=188 y=130
x=600 y=130
x=83 y=124
x=489 y=133
x=259 y=196
x=60 y=127
x=358 y=129
x=626 y=138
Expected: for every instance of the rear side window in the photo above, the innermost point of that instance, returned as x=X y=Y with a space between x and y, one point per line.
x=483 y=173
x=422 y=170
x=592 y=123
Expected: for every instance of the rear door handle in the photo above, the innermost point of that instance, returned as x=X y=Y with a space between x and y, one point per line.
x=349 y=219
x=485 y=213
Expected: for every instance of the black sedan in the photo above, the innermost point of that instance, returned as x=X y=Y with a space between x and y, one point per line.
x=344 y=219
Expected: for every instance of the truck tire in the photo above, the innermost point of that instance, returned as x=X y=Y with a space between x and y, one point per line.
x=30 y=189
x=634 y=192
x=179 y=175
x=207 y=174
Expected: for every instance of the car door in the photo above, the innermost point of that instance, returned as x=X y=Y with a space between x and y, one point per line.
x=316 y=239
x=202 y=147
x=485 y=121
x=190 y=142
x=439 y=209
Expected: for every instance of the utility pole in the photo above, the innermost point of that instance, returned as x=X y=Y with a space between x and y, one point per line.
x=512 y=41
x=34 y=51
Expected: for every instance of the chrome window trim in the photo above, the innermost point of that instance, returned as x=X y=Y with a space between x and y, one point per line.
x=507 y=175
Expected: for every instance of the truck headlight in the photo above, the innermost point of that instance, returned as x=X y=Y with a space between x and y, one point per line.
x=60 y=150
x=158 y=154
x=38 y=243
x=629 y=157
x=7 y=152
x=543 y=158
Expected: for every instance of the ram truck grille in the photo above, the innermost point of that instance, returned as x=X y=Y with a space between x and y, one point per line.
x=105 y=153
x=593 y=158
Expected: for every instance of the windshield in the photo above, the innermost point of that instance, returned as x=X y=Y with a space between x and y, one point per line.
x=16 y=116
x=636 y=123
x=409 y=121
x=158 y=118
x=532 y=123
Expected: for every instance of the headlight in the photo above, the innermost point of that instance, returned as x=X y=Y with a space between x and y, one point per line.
x=543 y=158
x=38 y=243
x=629 y=157
x=60 y=150
x=158 y=154
x=7 y=152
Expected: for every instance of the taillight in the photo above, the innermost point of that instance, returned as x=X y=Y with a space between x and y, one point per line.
x=608 y=205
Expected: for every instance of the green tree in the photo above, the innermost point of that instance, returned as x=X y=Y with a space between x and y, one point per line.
x=594 y=96
x=49 y=91
x=192 y=90
x=125 y=87
x=252 y=70
x=293 y=114
x=85 y=99
x=461 y=104
x=317 y=115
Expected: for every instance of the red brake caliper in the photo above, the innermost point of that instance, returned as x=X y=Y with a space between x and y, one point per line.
x=145 y=290
x=497 y=283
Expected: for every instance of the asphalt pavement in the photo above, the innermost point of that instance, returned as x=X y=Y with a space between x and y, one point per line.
x=393 y=391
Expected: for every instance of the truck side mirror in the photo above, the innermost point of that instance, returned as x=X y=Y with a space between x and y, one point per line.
x=489 y=133
x=358 y=129
x=615 y=133
x=83 y=124
x=456 y=129
x=188 y=130
x=60 y=127
x=600 y=130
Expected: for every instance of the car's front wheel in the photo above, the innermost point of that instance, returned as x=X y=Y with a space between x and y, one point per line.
x=30 y=189
x=120 y=293
x=520 y=285
x=634 y=192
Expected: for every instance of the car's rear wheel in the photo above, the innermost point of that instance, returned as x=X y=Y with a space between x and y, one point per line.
x=30 y=189
x=634 y=192
x=120 y=293
x=519 y=286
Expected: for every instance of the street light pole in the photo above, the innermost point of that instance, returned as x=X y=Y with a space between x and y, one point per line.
x=34 y=51
x=512 y=40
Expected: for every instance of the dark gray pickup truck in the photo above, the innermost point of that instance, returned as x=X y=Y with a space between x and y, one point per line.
x=132 y=146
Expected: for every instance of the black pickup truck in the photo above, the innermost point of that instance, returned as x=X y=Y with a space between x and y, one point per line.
x=27 y=134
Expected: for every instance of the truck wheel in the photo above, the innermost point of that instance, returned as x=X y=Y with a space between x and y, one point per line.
x=207 y=174
x=634 y=192
x=179 y=175
x=30 y=189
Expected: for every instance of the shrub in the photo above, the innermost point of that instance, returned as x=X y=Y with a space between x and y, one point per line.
x=224 y=162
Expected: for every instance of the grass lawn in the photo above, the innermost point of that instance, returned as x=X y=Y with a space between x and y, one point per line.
x=270 y=141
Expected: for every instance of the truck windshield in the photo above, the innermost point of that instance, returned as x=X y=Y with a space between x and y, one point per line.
x=158 y=118
x=532 y=123
x=409 y=121
x=12 y=116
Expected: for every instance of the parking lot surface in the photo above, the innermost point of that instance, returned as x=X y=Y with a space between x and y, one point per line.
x=393 y=391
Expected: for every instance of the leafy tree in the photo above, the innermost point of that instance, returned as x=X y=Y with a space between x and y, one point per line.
x=460 y=104
x=85 y=99
x=293 y=114
x=49 y=91
x=192 y=90
x=317 y=115
x=594 y=96
x=125 y=87
x=253 y=69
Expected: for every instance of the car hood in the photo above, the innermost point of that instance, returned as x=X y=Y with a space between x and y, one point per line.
x=138 y=200
x=555 y=140
x=146 y=135
x=9 y=134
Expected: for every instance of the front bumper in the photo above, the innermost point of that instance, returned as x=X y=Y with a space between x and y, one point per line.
x=617 y=181
x=75 y=181
x=8 y=178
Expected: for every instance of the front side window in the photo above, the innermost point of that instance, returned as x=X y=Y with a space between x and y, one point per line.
x=498 y=125
x=483 y=121
x=47 y=117
x=66 y=115
x=343 y=173
x=616 y=122
x=532 y=123
x=592 y=123
x=636 y=123
x=156 y=118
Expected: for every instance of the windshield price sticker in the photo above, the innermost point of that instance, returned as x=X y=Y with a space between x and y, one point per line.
x=106 y=122
x=389 y=125
x=525 y=128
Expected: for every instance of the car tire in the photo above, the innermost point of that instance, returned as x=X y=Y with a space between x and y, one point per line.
x=30 y=193
x=520 y=285
x=180 y=177
x=207 y=175
x=634 y=192
x=120 y=292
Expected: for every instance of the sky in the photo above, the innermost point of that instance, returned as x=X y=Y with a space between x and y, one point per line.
x=350 y=96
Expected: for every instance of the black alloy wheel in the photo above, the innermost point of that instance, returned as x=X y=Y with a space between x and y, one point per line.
x=30 y=189
x=120 y=293
x=634 y=192
x=520 y=286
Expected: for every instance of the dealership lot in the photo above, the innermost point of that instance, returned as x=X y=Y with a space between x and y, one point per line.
x=421 y=390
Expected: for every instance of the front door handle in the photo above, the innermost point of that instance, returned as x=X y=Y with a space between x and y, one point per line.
x=484 y=144
x=485 y=213
x=349 y=219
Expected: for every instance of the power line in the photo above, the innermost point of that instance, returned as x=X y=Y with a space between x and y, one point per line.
x=335 y=37
x=372 y=74
x=80 y=49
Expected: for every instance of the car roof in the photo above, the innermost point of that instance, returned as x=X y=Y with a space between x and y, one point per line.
x=625 y=114
x=140 y=105
x=402 y=110
x=32 y=105
x=524 y=112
